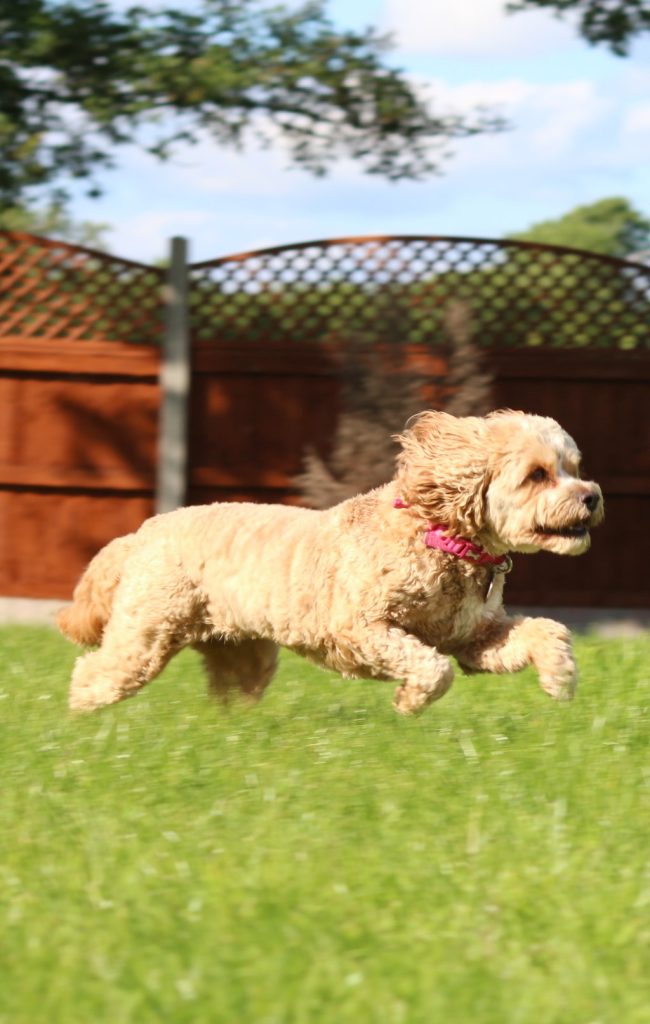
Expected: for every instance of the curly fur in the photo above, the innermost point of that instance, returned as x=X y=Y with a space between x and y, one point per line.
x=354 y=587
x=83 y=621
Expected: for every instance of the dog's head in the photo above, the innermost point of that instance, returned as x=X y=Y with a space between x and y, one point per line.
x=510 y=480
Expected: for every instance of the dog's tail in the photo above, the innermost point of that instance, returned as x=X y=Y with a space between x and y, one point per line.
x=84 y=620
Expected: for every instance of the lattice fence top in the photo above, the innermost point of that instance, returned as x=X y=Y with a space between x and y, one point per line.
x=403 y=288
x=54 y=290
x=379 y=289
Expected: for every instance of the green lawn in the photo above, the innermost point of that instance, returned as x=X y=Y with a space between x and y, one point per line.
x=319 y=859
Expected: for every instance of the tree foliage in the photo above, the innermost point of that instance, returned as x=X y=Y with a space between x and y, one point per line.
x=54 y=222
x=612 y=227
x=78 y=79
x=614 y=23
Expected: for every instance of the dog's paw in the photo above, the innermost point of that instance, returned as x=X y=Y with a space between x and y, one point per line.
x=558 y=674
x=88 y=693
x=411 y=698
x=81 y=701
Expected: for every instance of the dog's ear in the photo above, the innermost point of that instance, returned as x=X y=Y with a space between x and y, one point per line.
x=442 y=469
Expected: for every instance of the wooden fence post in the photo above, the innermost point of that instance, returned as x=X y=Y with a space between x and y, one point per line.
x=174 y=384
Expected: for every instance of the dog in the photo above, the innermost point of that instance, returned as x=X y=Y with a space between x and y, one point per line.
x=387 y=585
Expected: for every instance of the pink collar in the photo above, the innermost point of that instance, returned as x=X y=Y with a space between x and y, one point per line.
x=435 y=537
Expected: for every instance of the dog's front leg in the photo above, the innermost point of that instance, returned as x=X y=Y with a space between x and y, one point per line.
x=392 y=653
x=508 y=645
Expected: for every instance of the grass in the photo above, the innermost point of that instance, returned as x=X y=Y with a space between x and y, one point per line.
x=320 y=859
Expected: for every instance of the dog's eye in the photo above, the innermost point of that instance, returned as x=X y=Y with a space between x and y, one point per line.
x=538 y=476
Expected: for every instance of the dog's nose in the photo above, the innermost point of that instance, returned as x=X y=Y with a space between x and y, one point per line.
x=591 y=500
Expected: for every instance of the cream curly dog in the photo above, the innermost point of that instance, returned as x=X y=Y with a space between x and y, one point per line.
x=385 y=586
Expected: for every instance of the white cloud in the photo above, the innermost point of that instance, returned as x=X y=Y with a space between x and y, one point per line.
x=545 y=121
x=637 y=122
x=472 y=28
x=561 y=114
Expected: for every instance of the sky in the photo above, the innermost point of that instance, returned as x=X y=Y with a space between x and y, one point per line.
x=579 y=131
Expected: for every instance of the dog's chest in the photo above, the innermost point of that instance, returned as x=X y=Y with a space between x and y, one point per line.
x=446 y=599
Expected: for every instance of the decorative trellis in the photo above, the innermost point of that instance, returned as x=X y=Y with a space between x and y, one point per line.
x=400 y=288
x=54 y=290
x=368 y=289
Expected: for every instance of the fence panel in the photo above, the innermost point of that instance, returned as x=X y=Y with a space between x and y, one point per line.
x=77 y=457
x=253 y=413
x=79 y=400
x=603 y=400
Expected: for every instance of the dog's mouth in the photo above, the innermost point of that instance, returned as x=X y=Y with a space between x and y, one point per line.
x=575 y=532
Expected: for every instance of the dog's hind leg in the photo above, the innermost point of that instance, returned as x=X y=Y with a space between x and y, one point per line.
x=238 y=668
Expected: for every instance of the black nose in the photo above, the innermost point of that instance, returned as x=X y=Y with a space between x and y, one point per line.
x=591 y=500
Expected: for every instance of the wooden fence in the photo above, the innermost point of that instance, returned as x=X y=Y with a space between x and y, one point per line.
x=91 y=443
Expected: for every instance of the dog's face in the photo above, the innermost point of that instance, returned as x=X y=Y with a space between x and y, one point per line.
x=509 y=479
x=536 y=499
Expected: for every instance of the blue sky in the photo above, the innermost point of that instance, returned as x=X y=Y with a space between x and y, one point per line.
x=580 y=131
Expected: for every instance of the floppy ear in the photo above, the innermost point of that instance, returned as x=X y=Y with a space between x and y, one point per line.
x=442 y=469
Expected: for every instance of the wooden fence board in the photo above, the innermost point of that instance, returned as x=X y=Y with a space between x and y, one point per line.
x=49 y=535
x=78 y=441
